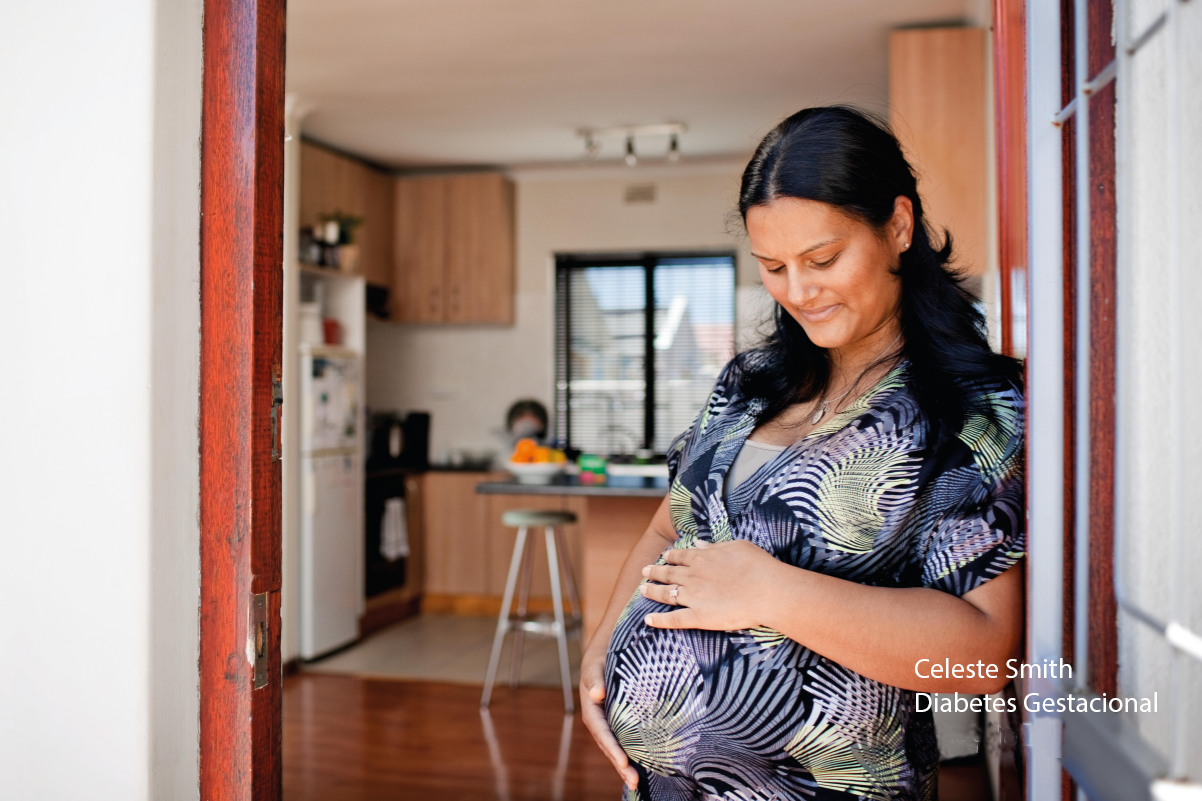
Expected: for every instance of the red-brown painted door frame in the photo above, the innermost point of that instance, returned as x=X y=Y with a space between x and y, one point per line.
x=1102 y=636
x=1009 y=69
x=1103 y=329
x=1009 y=58
x=242 y=197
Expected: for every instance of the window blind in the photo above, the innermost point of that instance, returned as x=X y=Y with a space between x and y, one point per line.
x=640 y=339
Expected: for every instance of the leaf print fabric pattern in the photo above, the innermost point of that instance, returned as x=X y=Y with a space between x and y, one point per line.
x=866 y=497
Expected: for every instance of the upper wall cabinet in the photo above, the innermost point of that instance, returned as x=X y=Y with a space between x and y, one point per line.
x=454 y=250
x=329 y=183
x=421 y=250
x=939 y=98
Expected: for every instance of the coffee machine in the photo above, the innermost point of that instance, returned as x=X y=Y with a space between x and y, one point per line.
x=398 y=442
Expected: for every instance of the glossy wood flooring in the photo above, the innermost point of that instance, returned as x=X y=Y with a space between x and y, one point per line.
x=354 y=739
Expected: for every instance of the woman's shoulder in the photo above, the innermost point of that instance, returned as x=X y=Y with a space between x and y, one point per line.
x=999 y=391
x=994 y=423
x=729 y=383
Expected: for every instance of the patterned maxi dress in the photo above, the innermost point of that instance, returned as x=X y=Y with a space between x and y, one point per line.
x=865 y=497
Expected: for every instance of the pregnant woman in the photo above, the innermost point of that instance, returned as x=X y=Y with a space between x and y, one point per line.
x=848 y=502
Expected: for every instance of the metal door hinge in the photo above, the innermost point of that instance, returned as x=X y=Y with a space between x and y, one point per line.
x=260 y=631
x=277 y=400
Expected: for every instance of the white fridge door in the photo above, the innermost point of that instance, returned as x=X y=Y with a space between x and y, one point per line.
x=329 y=402
x=331 y=553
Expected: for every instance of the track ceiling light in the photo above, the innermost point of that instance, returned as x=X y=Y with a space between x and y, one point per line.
x=593 y=136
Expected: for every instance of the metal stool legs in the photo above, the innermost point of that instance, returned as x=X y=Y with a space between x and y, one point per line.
x=565 y=566
x=520 y=570
x=515 y=564
x=561 y=628
x=515 y=661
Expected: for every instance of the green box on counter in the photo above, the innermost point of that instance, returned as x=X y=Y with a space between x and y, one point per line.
x=592 y=467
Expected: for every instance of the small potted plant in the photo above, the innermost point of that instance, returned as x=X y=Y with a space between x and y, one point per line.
x=346 y=255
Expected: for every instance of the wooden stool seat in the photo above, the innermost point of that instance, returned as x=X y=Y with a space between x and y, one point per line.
x=531 y=518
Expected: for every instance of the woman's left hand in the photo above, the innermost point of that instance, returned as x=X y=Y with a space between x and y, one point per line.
x=721 y=587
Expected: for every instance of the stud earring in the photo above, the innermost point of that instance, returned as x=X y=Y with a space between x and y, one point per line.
x=906 y=246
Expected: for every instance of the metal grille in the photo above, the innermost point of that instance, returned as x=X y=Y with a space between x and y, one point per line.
x=1106 y=756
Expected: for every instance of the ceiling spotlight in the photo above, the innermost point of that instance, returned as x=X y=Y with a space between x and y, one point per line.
x=593 y=137
x=592 y=148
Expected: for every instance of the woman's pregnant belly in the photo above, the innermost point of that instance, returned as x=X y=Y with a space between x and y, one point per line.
x=675 y=696
x=759 y=706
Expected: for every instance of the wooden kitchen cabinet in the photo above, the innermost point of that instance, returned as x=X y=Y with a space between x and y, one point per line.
x=376 y=242
x=421 y=247
x=454 y=249
x=455 y=533
x=332 y=182
x=468 y=550
x=480 y=249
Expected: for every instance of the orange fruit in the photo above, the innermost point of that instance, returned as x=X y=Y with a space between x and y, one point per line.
x=525 y=451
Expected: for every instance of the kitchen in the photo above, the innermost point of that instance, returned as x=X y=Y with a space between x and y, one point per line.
x=440 y=288
x=465 y=374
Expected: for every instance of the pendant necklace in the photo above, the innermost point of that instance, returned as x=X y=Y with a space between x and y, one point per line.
x=825 y=405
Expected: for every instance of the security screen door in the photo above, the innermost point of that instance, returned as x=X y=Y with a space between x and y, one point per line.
x=1107 y=144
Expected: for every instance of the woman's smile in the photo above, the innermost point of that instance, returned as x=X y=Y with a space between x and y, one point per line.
x=821 y=314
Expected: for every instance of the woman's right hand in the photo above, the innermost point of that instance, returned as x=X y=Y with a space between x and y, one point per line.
x=592 y=711
x=660 y=534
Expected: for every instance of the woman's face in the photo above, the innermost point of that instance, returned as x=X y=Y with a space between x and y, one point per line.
x=832 y=273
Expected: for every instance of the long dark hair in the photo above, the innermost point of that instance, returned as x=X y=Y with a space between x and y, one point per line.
x=843 y=157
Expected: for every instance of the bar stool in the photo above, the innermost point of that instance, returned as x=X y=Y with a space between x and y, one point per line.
x=520 y=621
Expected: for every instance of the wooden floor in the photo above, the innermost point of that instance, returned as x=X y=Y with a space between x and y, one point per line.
x=354 y=739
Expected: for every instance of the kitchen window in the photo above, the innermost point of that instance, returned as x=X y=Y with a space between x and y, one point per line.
x=639 y=340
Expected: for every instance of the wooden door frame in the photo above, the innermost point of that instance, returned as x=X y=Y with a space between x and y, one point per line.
x=242 y=197
x=1010 y=100
x=1010 y=136
x=1098 y=356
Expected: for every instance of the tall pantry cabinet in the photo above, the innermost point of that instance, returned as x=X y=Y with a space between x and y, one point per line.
x=939 y=108
x=454 y=254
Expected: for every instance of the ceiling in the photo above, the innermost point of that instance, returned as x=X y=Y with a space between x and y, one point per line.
x=437 y=83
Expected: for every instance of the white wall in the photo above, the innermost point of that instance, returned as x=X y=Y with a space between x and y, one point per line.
x=99 y=210
x=1160 y=369
x=467 y=375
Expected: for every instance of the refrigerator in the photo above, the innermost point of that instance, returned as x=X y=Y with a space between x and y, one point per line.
x=331 y=530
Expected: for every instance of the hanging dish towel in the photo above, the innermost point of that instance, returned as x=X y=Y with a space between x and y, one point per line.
x=394 y=534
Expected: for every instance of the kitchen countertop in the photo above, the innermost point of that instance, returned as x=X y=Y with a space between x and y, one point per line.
x=615 y=487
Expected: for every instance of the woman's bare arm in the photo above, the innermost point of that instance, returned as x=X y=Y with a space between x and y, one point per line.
x=879 y=632
x=659 y=535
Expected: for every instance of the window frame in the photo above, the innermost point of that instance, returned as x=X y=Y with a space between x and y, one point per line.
x=647 y=260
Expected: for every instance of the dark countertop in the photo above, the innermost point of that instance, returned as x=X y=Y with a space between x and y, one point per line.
x=615 y=487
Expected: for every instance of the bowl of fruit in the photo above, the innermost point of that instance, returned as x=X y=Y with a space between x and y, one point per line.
x=532 y=463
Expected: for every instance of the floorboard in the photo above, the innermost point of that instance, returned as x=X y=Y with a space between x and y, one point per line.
x=354 y=739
